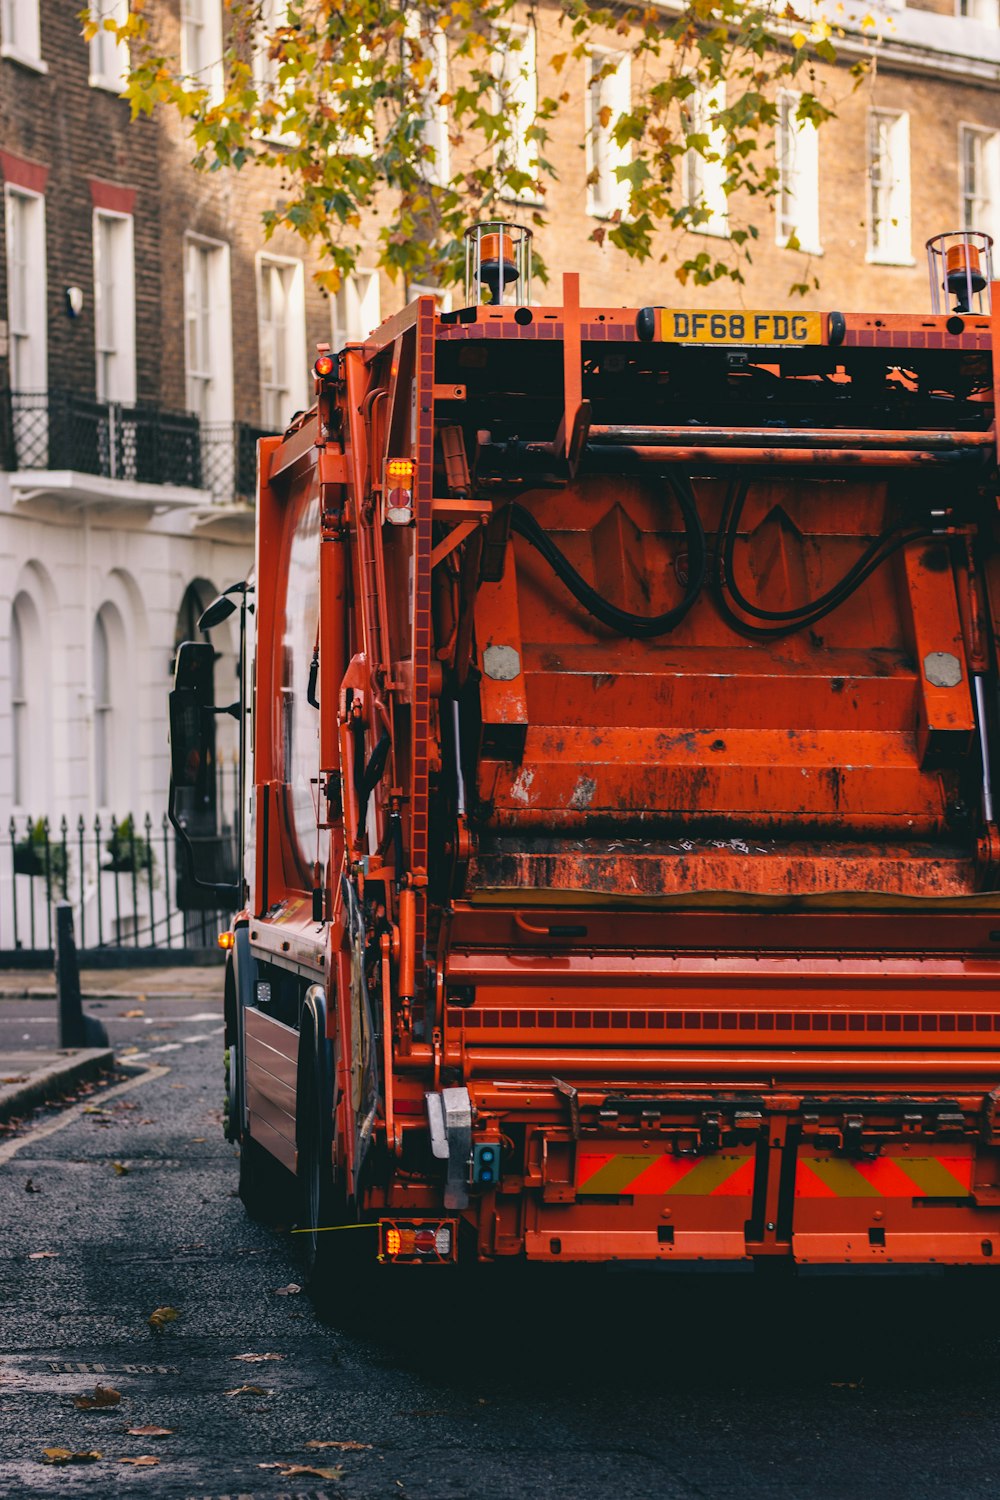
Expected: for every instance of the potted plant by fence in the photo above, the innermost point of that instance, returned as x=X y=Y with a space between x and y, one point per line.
x=127 y=850
x=30 y=853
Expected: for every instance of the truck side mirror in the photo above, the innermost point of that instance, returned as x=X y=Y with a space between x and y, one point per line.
x=192 y=731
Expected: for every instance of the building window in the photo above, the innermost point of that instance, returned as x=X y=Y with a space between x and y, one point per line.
x=429 y=44
x=201 y=45
x=26 y=313
x=608 y=96
x=20 y=636
x=356 y=308
x=798 y=177
x=208 y=330
x=114 y=306
x=889 y=188
x=281 y=326
x=105 y=739
x=108 y=57
x=516 y=74
x=20 y=33
x=986 y=12
x=979 y=160
x=705 y=171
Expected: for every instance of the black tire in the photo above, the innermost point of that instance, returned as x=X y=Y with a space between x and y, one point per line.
x=321 y=1206
x=266 y=1188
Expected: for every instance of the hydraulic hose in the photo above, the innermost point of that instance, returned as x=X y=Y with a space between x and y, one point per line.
x=622 y=620
x=798 y=618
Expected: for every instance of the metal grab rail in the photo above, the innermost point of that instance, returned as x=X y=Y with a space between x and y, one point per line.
x=792 y=437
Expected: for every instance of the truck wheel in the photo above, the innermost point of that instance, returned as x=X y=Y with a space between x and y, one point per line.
x=319 y=1203
x=266 y=1188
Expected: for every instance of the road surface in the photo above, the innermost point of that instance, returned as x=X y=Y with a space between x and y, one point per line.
x=559 y=1385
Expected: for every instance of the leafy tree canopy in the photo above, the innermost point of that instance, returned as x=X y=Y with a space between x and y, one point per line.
x=422 y=118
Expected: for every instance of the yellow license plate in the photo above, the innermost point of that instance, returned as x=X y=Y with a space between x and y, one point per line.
x=691 y=327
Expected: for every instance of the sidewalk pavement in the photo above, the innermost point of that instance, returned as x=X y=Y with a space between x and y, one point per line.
x=118 y=984
x=29 y=1078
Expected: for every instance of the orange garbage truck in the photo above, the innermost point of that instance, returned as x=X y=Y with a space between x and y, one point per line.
x=621 y=864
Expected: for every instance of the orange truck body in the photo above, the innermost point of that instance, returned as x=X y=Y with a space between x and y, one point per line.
x=617 y=945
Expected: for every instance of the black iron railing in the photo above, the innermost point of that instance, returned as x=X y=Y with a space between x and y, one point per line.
x=144 y=443
x=125 y=877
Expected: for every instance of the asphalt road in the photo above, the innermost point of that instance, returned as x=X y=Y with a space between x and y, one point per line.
x=564 y=1384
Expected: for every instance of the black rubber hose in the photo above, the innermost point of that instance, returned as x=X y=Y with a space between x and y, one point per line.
x=621 y=620
x=811 y=614
x=873 y=556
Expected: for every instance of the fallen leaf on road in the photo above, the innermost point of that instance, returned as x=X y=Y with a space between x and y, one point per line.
x=144 y=1461
x=126 y=1051
x=292 y=1469
x=198 y=1140
x=256 y=1359
x=130 y=1015
x=291 y=1290
x=247 y=1390
x=178 y=1085
x=120 y=1168
x=150 y=1431
x=347 y=1447
x=14 y=1078
x=160 y=1316
x=44 y=1255
x=104 y=1396
x=67 y=1456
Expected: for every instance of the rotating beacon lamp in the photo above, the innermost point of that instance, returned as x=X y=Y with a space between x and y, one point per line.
x=960 y=263
x=497 y=264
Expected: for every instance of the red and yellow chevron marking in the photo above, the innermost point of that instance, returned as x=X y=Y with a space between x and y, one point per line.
x=885 y=1177
x=612 y=1173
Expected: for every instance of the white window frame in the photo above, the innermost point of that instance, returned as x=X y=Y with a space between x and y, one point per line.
x=30 y=322
x=21 y=33
x=519 y=83
x=984 y=12
x=979 y=209
x=292 y=394
x=203 y=65
x=355 y=309
x=797 y=150
x=273 y=15
x=434 y=131
x=704 y=180
x=892 y=246
x=105 y=48
x=606 y=195
x=116 y=379
x=216 y=376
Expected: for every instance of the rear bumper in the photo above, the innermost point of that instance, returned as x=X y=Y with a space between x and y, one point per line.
x=833 y=1176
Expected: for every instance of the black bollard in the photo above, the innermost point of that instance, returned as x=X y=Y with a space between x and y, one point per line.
x=75 y=1028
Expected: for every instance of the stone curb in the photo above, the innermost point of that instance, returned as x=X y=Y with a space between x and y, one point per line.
x=59 y=1073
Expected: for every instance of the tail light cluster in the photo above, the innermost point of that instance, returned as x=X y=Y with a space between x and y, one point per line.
x=418 y=1241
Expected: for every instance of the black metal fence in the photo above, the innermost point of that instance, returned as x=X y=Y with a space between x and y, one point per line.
x=145 y=443
x=120 y=875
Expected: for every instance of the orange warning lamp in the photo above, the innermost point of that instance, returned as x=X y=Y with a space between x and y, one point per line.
x=498 y=263
x=497 y=256
x=961 y=264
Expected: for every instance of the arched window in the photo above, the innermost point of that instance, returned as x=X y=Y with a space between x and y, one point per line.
x=18 y=705
x=26 y=687
x=113 y=768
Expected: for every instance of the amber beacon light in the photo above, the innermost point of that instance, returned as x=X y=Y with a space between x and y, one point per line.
x=960 y=264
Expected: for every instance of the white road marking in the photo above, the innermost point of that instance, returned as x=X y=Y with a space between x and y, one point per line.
x=167 y=1047
x=75 y=1112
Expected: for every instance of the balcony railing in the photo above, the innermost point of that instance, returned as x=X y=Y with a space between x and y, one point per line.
x=145 y=443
